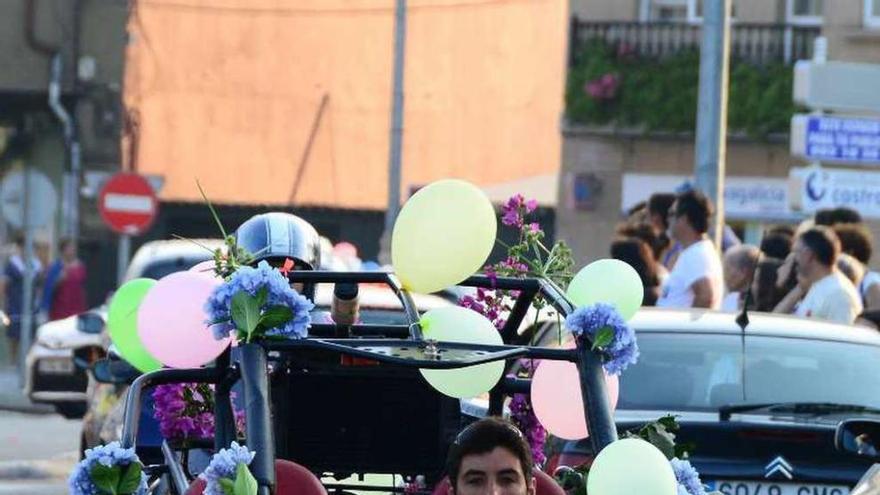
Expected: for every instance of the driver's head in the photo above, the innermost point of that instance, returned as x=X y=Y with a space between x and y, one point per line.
x=490 y=456
x=276 y=237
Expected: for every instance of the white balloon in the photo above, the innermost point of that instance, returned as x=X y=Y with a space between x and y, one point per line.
x=631 y=466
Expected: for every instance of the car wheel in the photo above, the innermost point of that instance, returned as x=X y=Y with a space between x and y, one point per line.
x=71 y=410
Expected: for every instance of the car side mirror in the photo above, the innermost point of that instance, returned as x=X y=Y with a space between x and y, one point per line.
x=859 y=437
x=90 y=322
x=114 y=371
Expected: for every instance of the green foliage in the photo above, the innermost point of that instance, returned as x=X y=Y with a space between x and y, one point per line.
x=251 y=318
x=660 y=94
x=245 y=483
x=116 y=480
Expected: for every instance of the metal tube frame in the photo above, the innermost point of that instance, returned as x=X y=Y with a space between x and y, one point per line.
x=256 y=389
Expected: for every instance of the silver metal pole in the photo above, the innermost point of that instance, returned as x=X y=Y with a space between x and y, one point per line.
x=123 y=257
x=711 y=140
x=26 y=316
x=394 y=155
x=70 y=189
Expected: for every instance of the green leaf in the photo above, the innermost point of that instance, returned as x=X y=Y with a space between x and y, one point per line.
x=245 y=311
x=663 y=440
x=262 y=296
x=603 y=338
x=275 y=317
x=105 y=478
x=245 y=483
x=669 y=422
x=228 y=486
x=131 y=480
x=211 y=207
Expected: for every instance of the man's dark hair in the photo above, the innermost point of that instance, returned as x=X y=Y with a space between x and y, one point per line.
x=659 y=204
x=776 y=245
x=696 y=207
x=855 y=240
x=843 y=214
x=823 y=217
x=483 y=437
x=781 y=229
x=823 y=242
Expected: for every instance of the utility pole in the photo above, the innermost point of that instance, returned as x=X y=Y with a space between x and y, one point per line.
x=711 y=140
x=394 y=155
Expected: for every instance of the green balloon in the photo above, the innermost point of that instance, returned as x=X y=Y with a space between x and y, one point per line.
x=631 y=466
x=122 y=324
x=608 y=281
x=457 y=324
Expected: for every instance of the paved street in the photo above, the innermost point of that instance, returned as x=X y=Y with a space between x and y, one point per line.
x=37 y=452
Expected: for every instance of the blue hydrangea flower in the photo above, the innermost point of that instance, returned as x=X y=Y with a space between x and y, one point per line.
x=687 y=477
x=623 y=350
x=223 y=465
x=112 y=454
x=251 y=280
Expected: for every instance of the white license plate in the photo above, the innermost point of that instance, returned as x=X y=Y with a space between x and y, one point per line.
x=735 y=487
x=55 y=366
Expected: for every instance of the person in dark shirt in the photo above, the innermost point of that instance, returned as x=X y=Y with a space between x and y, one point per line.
x=13 y=293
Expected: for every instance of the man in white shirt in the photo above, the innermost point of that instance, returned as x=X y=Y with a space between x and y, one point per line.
x=830 y=295
x=696 y=280
x=739 y=267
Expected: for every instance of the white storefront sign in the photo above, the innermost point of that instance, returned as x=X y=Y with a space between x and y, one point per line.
x=745 y=198
x=820 y=188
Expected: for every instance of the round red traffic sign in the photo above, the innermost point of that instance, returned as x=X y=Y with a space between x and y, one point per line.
x=128 y=204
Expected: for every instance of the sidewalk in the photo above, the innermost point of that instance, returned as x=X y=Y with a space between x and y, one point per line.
x=11 y=397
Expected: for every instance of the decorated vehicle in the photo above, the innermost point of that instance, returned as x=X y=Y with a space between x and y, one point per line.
x=279 y=399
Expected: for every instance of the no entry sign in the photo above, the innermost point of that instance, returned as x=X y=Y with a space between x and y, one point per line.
x=128 y=204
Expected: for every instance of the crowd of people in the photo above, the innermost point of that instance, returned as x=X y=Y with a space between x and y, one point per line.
x=819 y=269
x=58 y=288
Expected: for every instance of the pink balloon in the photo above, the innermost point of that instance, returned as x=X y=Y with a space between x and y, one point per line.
x=171 y=321
x=556 y=398
x=205 y=268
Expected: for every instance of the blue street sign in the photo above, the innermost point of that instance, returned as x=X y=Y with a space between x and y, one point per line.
x=836 y=139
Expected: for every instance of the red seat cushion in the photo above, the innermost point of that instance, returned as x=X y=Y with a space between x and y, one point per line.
x=290 y=479
x=544 y=485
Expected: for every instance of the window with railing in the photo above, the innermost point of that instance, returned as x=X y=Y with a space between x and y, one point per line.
x=754 y=42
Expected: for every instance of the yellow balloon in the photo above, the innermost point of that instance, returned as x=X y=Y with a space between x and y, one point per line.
x=443 y=235
x=457 y=324
x=608 y=281
x=631 y=466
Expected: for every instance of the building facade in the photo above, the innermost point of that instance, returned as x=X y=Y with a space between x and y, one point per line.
x=631 y=100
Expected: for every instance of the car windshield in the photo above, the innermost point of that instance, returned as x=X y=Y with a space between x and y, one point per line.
x=158 y=269
x=684 y=371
